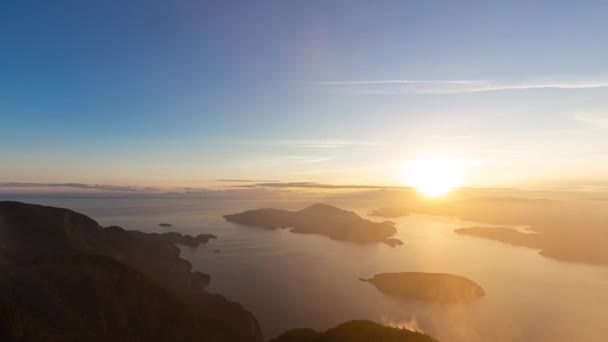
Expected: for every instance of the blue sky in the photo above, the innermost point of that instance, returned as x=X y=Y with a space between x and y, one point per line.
x=185 y=93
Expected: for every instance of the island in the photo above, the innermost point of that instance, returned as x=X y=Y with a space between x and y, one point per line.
x=166 y=225
x=355 y=331
x=428 y=287
x=185 y=240
x=321 y=219
x=66 y=278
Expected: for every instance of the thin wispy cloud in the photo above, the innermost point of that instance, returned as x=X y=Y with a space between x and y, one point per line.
x=304 y=143
x=314 y=185
x=310 y=159
x=74 y=186
x=387 y=87
x=592 y=118
x=328 y=143
x=460 y=82
x=246 y=181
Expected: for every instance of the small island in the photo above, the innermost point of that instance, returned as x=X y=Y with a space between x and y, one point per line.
x=166 y=225
x=322 y=219
x=354 y=331
x=186 y=240
x=429 y=287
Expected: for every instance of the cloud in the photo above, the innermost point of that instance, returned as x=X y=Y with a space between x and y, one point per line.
x=80 y=186
x=380 y=87
x=313 y=185
x=592 y=118
x=309 y=159
x=328 y=143
x=245 y=181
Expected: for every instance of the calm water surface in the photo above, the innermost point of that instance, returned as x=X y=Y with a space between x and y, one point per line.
x=291 y=280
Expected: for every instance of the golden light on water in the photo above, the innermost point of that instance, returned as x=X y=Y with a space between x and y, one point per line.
x=434 y=177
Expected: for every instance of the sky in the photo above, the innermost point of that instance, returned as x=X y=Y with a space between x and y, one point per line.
x=188 y=93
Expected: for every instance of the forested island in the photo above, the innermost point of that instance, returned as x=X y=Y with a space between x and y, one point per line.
x=429 y=287
x=322 y=219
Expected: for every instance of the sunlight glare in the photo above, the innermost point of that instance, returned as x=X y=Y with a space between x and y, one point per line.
x=434 y=177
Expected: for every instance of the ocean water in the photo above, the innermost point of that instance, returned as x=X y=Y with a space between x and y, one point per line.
x=292 y=280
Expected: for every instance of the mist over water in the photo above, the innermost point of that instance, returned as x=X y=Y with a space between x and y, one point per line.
x=293 y=280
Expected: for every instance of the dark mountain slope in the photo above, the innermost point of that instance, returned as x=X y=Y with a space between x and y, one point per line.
x=65 y=278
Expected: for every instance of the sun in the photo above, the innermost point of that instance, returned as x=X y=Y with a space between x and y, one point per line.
x=434 y=177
